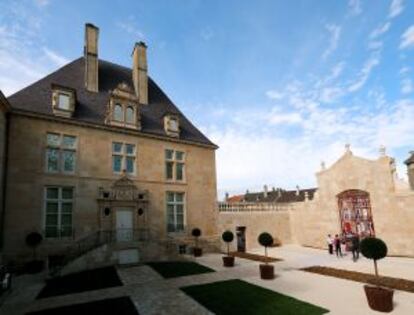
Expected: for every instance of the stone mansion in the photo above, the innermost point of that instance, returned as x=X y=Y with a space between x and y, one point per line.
x=95 y=146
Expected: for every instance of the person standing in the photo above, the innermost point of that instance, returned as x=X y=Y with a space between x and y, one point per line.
x=355 y=247
x=337 y=243
x=330 y=241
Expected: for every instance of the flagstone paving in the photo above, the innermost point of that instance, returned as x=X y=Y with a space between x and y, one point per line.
x=152 y=294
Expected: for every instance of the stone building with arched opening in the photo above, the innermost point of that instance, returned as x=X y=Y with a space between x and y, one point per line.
x=354 y=195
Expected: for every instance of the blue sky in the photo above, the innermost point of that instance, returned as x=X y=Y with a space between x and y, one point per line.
x=279 y=85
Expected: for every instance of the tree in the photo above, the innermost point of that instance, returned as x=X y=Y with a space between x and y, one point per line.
x=266 y=240
x=228 y=237
x=375 y=249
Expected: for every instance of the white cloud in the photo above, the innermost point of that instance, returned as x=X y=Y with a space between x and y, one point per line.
x=375 y=45
x=364 y=74
x=355 y=7
x=251 y=157
x=55 y=57
x=22 y=59
x=396 y=8
x=404 y=70
x=407 y=86
x=130 y=25
x=335 y=33
x=277 y=117
x=330 y=94
x=407 y=38
x=380 y=30
x=274 y=95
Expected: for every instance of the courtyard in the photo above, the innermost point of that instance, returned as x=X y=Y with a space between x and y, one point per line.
x=152 y=293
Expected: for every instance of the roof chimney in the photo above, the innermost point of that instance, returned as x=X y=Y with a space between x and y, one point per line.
x=140 y=72
x=91 y=57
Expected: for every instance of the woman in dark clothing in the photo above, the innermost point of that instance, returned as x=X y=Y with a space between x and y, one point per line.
x=337 y=242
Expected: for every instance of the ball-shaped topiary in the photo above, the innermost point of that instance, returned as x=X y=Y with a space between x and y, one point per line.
x=266 y=240
x=196 y=232
x=228 y=237
x=375 y=249
x=33 y=240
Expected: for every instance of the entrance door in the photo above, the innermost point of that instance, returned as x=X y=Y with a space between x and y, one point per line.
x=355 y=213
x=124 y=225
x=241 y=238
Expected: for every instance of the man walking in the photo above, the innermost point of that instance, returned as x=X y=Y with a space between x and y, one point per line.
x=355 y=247
x=329 y=241
x=337 y=242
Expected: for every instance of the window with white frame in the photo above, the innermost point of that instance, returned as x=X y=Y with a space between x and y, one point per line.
x=64 y=101
x=175 y=211
x=130 y=115
x=123 y=157
x=118 y=113
x=58 y=211
x=60 y=153
x=174 y=165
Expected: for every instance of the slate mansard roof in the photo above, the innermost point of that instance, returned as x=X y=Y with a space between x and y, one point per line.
x=91 y=107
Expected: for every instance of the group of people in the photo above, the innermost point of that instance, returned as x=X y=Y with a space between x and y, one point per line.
x=335 y=243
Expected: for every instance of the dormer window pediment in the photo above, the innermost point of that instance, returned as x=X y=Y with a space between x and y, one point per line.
x=172 y=125
x=123 y=108
x=63 y=101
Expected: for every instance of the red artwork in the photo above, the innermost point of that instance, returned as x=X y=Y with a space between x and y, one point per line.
x=355 y=213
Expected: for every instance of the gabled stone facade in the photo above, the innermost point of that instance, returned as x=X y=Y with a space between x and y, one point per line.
x=70 y=176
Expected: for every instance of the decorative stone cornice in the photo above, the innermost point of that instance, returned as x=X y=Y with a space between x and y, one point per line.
x=116 y=129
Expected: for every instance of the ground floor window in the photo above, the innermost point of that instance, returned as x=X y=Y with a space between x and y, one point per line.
x=175 y=211
x=58 y=211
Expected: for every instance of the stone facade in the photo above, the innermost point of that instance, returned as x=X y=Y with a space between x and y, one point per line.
x=308 y=222
x=91 y=161
x=27 y=180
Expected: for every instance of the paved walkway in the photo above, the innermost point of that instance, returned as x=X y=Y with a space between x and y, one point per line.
x=154 y=295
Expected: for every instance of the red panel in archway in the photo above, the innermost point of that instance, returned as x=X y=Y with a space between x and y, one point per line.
x=355 y=213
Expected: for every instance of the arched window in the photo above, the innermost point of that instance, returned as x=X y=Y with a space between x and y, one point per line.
x=130 y=115
x=118 y=113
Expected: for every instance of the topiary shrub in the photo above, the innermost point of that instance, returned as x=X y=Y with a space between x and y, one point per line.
x=375 y=249
x=196 y=232
x=228 y=237
x=33 y=240
x=266 y=240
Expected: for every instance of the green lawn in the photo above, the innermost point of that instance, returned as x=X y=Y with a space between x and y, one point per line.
x=81 y=281
x=173 y=269
x=239 y=297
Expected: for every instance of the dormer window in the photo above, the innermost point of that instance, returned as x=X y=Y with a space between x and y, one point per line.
x=123 y=108
x=63 y=101
x=118 y=113
x=171 y=125
x=130 y=115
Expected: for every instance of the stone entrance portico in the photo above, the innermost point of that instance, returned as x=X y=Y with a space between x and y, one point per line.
x=124 y=208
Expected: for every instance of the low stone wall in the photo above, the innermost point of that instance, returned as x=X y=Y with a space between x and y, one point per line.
x=276 y=223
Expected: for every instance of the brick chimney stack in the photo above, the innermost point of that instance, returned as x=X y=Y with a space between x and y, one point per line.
x=410 y=169
x=91 y=57
x=140 y=72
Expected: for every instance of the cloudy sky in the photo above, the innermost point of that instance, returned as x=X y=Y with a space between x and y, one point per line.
x=279 y=85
